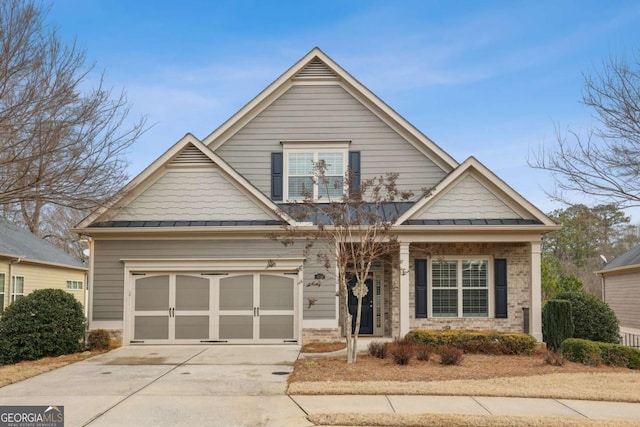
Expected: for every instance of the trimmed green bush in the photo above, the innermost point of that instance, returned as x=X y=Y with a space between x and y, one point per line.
x=47 y=322
x=488 y=342
x=557 y=323
x=593 y=319
x=98 y=339
x=579 y=350
x=590 y=352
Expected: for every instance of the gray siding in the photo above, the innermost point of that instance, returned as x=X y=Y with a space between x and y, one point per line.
x=192 y=194
x=108 y=282
x=321 y=113
x=469 y=199
x=622 y=293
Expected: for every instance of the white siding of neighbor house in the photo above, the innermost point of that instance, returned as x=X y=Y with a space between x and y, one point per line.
x=320 y=113
x=468 y=199
x=622 y=293
x=40 y=276
x=108 y=284
x=192 y=194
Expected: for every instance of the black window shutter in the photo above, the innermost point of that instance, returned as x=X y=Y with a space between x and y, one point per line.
x=421 y=288
x=354 y=169
x=276 y=176
x=501 y=288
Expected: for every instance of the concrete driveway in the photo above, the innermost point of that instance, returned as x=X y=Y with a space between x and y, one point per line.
x=170 y=386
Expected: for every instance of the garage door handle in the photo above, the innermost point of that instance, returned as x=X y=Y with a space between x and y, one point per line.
x=258 y=310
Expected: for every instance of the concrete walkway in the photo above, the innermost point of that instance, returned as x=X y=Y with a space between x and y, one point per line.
x=470 y=405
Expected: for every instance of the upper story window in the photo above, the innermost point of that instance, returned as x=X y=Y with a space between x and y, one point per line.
x=303 y=177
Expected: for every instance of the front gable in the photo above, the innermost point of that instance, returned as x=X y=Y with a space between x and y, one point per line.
x=473 y=192
x=191 y=191
x=316 y=102
x=467 y=199
x=188 y=183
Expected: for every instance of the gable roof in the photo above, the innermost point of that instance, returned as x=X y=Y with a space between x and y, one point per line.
x=189 y=148
x=628 y=260
x=17 y=242
x=319 y=67
x=512 y=199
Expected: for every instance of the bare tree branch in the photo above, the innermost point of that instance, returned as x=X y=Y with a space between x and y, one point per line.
x=605 y=162
x=61 y=144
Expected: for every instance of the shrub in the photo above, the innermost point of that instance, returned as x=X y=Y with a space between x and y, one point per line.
x=423 y=352
x=579 y=350
x=450 y=355
x=557 y=324
x=378 y=349
x=47 y=322
x=593 y=319
x=401 y=351
x=488 y=342
x=98 y=339
x=594 y=353
x=553 y=358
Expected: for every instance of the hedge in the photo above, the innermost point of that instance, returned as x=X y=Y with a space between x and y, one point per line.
x=557 y=323
x=593 y=353
x=488 y=342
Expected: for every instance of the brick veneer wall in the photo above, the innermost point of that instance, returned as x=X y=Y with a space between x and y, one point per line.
x=518 y=256
x=321 y=335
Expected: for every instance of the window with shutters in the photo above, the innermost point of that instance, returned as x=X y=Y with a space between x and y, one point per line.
x=302 y=178
x=459 y=287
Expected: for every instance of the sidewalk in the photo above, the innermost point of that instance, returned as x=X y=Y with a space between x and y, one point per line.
x=468 y=405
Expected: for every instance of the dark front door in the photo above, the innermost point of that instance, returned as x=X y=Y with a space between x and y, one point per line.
x=366 y=320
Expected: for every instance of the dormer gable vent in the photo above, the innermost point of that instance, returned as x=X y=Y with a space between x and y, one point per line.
x=191 y=155
x=315 y=69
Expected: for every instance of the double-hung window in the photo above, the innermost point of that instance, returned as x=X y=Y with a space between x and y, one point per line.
x=315 y=171
x=17 y=287
x=460 y=287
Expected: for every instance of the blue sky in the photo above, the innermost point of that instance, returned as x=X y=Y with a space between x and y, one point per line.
x=492 y=79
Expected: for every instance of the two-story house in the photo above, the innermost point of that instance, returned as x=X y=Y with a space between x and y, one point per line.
x=180 y=254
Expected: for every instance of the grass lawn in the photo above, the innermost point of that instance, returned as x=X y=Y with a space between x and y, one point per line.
x=477 y=375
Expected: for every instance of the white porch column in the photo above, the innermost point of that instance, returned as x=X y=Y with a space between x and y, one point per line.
x=404 y=288
x=535 y=306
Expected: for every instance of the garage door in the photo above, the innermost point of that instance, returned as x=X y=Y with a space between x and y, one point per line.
x=213 y=308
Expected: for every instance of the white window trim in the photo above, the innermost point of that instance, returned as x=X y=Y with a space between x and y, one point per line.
x=13 y=288
x=314 y=147
x=459 y=288
x=75 y=282
x=3 y=288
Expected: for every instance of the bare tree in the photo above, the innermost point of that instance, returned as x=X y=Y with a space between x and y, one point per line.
x=62 y=143
x=605 y=162
x=354 y=232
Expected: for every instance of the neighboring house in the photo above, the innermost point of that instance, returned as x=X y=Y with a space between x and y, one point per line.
x=28 y=263
x=180 y=255
x=621 y=289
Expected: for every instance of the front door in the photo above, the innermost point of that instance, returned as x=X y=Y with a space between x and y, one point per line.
x=366 y=319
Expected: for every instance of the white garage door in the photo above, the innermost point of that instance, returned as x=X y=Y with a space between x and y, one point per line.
x=213 y=308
